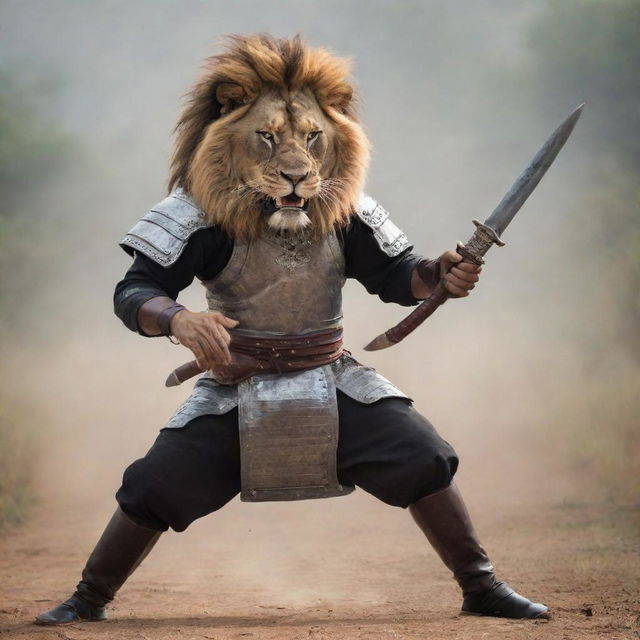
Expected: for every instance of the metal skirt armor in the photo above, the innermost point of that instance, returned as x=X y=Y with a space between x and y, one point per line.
x=289 y=436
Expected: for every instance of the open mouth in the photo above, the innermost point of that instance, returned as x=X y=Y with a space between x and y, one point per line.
x=292 y=201
x=287 y=213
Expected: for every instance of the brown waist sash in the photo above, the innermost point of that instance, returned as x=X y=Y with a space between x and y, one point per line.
x=257 y=354
x=252 y=354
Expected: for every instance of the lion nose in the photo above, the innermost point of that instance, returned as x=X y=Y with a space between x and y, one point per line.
x=294 y=178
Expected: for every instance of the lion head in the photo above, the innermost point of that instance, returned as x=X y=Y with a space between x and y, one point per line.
x=270 y=133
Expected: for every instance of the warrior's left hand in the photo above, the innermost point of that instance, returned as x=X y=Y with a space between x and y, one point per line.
x=460 y=277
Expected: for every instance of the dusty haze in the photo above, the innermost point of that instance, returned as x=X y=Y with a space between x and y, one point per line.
x=509 y=376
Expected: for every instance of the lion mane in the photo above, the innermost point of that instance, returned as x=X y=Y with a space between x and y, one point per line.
x=207 y=158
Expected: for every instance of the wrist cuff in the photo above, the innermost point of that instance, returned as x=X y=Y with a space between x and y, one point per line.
x=429 y=272
x=165 y=316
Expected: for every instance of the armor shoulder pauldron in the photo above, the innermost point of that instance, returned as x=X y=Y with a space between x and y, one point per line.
x=390 y=238
x=162 y=234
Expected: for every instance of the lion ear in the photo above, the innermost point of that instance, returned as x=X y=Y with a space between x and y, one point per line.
x=230 y=96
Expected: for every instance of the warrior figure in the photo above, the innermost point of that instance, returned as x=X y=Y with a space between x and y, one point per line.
x=266 y=210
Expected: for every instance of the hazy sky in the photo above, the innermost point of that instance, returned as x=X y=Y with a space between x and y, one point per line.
x=454 y=116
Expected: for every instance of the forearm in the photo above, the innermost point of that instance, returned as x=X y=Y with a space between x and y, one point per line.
x=425 y=277
x=144 y=283
x=143 y=298
x=144 y=309
x=388 y=276
x=129 y=298
x=392 y=281
x=155 y=315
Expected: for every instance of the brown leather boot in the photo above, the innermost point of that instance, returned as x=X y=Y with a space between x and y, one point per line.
x=121 y=548
x=445 y=521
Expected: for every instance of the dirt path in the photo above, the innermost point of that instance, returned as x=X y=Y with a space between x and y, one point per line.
x=351 y=569
x=348 y=568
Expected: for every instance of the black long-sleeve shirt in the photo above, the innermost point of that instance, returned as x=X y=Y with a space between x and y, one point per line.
x=208 y=251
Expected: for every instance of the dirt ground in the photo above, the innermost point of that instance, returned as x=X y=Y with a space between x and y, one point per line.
x=348 y=568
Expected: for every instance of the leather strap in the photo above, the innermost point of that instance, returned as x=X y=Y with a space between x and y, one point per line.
x=154 y=316
x=256 y=354
x=259 y=354
x=165 y=316
x=286 y=347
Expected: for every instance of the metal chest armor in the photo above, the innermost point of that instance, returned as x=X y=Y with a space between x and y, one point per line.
x=288 y=423
x=281 y=286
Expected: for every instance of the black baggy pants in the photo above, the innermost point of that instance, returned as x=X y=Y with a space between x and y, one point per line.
x=387 y=448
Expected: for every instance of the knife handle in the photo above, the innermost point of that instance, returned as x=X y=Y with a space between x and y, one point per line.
x=479 y=243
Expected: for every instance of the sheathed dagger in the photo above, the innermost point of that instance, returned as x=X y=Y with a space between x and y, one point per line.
x=487 y=233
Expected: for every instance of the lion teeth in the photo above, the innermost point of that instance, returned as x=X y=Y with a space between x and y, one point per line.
x=281 y=203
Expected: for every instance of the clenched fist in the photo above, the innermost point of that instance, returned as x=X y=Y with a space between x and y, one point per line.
x=459 y=277
x=205 y=334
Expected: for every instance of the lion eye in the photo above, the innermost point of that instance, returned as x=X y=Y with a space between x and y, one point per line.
x=266 y=135
x=313 y=135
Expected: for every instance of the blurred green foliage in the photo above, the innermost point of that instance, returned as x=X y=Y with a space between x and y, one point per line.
x=31 y=147
x=590 y=50
x=34 y=150
x=31 y=150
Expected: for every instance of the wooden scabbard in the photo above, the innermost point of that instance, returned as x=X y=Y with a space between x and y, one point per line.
x=437 y=298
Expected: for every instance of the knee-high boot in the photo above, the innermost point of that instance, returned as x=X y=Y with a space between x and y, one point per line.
x=445 y=521
x=121 y=548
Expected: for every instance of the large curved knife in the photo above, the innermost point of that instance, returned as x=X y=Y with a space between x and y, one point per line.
x=487 y=233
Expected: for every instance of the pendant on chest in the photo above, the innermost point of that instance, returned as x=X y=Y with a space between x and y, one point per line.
x=295 y=250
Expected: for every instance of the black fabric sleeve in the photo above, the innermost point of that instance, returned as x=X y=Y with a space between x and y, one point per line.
x=388 y=277
x=206 y=254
